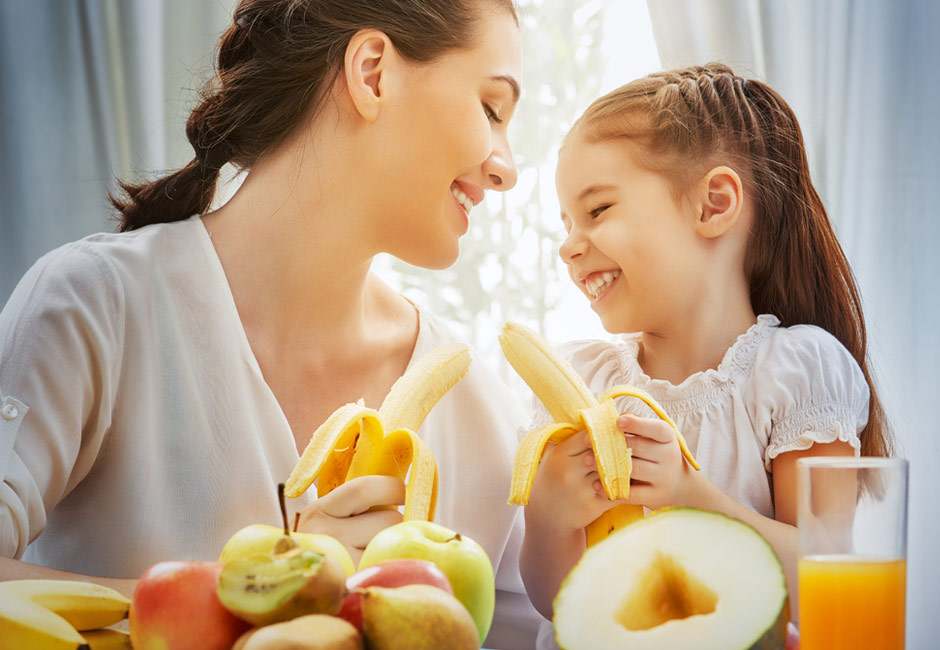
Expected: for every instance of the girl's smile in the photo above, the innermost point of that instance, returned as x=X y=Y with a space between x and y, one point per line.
x=598 y=284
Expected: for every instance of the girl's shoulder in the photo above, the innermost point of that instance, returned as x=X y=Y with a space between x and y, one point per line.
x=600 y=362
x=804 y=348
x=805 y=367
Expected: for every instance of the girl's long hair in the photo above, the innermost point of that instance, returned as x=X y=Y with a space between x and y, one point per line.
x=275 y=64
x=688 y=120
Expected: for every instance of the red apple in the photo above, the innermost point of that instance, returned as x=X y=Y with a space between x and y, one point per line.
x=175 y=607
x=391 y=573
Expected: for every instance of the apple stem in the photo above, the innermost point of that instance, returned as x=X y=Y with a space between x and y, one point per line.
x=296 y=520
x=455 y=537
x=281 y=501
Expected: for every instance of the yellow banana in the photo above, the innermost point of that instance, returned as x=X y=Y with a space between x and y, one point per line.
x=574 y=408
x=353 y=441
x=51 y=614
x=107 y=639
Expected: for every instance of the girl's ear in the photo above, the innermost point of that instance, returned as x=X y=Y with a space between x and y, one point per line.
x=369 y=54
x=722 y=202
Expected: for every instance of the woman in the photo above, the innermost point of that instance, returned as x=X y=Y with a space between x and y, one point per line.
x=162 y=380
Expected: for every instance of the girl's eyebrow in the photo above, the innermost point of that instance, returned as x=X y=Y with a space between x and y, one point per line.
x=594 y=189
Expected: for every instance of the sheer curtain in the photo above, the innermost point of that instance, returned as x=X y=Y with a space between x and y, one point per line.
x=92 y=90
x=862 y=78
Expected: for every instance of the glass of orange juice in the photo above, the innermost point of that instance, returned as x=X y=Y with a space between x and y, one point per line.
x=852 y=519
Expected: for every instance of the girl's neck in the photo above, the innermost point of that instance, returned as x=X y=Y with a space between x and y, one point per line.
x=695 y=342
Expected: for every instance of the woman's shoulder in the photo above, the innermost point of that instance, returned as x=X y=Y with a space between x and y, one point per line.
x=113 y=251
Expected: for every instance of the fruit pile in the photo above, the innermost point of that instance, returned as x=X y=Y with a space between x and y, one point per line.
x=418 y=585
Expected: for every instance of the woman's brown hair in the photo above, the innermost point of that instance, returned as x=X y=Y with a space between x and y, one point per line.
x=275 y=64
x=688 y=120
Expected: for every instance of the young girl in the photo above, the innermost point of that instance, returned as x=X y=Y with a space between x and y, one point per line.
x=695 y=231
x=157 y=383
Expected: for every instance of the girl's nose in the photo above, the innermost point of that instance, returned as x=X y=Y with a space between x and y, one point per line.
x=573 y=247
x=499 y=169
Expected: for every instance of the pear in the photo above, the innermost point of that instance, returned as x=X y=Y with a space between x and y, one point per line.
x=416 y=617
x=310 y=632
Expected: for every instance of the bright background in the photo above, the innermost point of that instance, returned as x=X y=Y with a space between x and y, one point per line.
x=92 y=90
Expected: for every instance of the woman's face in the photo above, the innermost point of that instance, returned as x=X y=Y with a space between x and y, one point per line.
x=445 y=143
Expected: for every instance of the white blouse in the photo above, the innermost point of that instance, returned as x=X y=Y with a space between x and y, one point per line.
x=776 y=389
x=136 y=426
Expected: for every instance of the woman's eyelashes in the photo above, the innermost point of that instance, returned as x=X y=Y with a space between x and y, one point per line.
x=491 y=114
x=596 y=212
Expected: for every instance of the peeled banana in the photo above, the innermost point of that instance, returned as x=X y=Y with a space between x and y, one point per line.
x=353 y=441
x=574 y=408
x=52 y=614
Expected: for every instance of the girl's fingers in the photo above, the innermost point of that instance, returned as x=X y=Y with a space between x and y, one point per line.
x=651 y=428
x=645 y=449
x=643 y=471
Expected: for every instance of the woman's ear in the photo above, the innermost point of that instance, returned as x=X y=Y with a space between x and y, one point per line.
x=722 y=202
x=367 y=59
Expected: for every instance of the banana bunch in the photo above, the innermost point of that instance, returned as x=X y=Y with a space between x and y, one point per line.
x=574 y=408
x=60 y=615
x=352 y=442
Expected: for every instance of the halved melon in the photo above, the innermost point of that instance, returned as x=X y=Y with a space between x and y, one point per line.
x=678 y=579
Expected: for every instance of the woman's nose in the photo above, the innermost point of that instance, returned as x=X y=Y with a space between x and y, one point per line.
x=499 y=169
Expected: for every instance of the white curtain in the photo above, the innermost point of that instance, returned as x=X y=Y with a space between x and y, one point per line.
x=90 y=91
x=862 y=77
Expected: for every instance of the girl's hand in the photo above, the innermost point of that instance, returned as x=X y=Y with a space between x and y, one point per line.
x=345 y=512
x=563 y=495
x=660 y=475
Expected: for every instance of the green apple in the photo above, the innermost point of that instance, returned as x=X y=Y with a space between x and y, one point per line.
x=462 y=560
x=260 y=539
x=680 y=578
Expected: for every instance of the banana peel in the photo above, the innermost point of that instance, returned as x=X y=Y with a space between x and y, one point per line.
x=359 y=441
x=574 y=408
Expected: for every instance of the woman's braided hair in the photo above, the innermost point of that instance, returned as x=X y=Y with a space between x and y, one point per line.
x=276 y=62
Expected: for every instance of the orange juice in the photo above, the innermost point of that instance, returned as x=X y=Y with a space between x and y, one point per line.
x=848 y=603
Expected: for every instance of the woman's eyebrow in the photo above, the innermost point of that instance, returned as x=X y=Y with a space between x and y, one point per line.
x=513 y=84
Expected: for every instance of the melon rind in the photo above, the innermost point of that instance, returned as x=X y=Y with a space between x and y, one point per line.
x=752 y=611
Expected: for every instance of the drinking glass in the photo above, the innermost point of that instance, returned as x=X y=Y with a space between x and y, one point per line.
x=852 y=519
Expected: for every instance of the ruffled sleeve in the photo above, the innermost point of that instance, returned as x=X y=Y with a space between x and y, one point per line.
x=813 y=389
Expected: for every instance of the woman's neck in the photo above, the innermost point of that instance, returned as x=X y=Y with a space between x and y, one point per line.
x=299 y=268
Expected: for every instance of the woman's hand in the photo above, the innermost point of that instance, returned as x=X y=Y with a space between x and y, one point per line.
x=345 y=513
x=564 y=494
x=660 y=477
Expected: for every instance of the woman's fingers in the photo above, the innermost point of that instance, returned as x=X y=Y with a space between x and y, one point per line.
x=362 y=493
x=347 y=514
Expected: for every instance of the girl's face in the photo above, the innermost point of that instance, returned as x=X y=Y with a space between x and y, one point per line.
x=631 y=248
x=446 y=143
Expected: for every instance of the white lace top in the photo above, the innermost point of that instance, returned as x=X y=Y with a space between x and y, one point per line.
x=777 y=389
